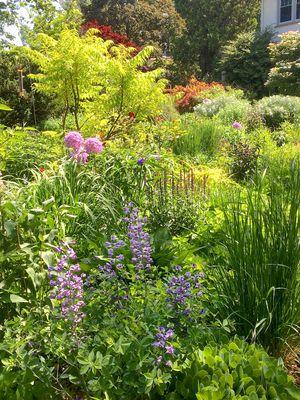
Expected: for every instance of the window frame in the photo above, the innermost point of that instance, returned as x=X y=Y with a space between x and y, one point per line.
x=297 y=3
x=294 y=18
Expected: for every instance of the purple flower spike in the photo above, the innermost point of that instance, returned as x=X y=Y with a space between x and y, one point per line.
x=67 y=286
x=140 y=245
x=170 y=350
x=159 y=360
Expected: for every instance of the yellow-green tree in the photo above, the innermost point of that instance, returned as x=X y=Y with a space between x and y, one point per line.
x=99 y=83
x=70 y=68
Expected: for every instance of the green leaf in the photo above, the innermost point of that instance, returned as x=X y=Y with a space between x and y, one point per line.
x=3 y=107
x=294 y=392
x=48 y=258
x=14 y=298
x=10 y=227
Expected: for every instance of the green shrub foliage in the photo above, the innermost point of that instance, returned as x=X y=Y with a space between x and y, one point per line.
x=28 y=108
x=284 y=77
x=246 y=61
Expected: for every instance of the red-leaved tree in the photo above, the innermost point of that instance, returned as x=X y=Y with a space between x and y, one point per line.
x=106 y=32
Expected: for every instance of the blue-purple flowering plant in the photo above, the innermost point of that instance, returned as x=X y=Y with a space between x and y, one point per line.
x=184 y=293
x=140 y=245
x=134 y=249
x=128 y=259
x=164 y=346
x=67 y=281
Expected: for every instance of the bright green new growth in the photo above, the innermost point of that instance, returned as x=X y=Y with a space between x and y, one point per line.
x=95 y=81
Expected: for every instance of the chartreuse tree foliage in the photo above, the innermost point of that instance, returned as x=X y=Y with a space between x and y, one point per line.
x=284 y=78
x=98 y=83
x=128 y=92
x=69 y=68
x=50 y=17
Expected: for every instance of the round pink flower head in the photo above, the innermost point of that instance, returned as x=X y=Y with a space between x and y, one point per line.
x=74 y=140
x=93 y=146
x=237 y=125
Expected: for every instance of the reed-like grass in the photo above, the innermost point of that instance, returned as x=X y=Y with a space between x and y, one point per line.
x=203 y=137
x=259 y=280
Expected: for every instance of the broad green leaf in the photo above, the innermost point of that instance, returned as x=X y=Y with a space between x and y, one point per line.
x=294 y=392
x=48 y=258
x=14 y=298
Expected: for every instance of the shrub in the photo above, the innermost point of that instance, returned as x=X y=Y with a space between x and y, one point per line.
x=187 y=96
x=106 y=33
x=24 y=150
x=228 y=107
x=275 y=110
x=28 y=108
x=284 y=77
x=246 y=61
x=259 y=276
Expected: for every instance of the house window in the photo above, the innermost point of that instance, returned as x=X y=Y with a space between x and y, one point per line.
x=286 y=10
x=298 y=9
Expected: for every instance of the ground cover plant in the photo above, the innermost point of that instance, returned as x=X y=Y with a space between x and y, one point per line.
x=149 y=236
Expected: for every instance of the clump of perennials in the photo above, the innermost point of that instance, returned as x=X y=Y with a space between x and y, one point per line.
x=80 y=148
x=133 y=249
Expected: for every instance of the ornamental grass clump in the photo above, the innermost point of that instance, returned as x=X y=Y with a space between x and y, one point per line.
x=259 y=276
x=67 y=282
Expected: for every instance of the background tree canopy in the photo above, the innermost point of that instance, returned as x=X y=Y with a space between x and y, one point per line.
x=153 y=22
x=210 y=24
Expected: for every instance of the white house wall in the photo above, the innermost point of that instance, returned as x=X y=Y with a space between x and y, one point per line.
x=270 y=18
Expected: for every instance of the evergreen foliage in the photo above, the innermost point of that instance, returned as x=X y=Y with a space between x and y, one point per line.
x=246 y=61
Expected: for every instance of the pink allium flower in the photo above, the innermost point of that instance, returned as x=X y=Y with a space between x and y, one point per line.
x=93 y=146
x=237 y=125
x=207 y=101
x=74 y=140
x=81 y=157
